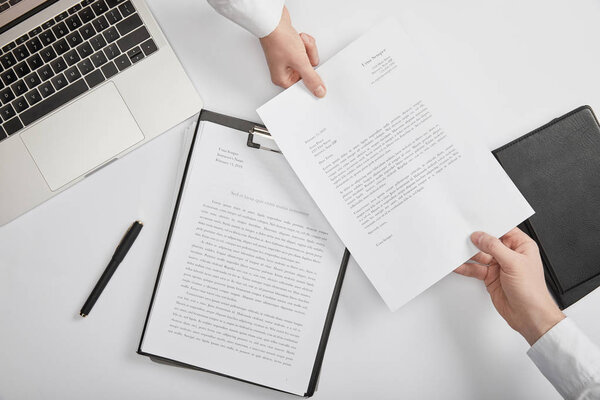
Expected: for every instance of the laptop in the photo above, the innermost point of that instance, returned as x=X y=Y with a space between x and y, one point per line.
x=82 y=83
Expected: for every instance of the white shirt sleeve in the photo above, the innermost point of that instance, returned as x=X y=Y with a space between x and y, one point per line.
x=259 y=17
x=569 y=360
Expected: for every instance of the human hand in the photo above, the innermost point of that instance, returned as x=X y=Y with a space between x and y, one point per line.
x=292 y=56
x=512 y=271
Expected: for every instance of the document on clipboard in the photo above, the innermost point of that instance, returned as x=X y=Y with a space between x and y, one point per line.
x=251 y=272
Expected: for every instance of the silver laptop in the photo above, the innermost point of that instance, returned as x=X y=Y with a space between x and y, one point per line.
x=81 y=84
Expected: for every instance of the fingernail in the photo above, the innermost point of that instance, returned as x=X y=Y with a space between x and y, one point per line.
x=305 y=38
x=476 y=237
x=320 y=91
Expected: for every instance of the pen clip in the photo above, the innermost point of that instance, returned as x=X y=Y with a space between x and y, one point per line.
x=261 y=132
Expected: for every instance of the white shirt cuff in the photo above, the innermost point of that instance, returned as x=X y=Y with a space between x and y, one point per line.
x=568 y=359
x=259 y=17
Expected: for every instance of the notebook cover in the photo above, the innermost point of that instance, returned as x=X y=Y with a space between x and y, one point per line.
x=245 y=126
x=557 y=169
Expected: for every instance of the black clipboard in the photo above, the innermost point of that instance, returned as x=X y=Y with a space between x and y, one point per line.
x=252 y=129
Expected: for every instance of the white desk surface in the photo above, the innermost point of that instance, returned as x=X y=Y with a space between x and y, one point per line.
x=514 y=64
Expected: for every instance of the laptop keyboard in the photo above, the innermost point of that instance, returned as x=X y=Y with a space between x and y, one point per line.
x=6 y=4
x=67 y=56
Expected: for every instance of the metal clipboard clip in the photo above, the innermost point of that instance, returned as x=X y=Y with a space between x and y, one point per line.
x=260 y=132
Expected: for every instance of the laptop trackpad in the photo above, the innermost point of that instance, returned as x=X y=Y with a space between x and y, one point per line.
x=83 y=135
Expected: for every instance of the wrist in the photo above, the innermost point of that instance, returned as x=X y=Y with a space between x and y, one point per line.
x=541 y=322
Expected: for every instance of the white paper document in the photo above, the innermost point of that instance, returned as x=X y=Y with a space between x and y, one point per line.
x=393 y=165
x=250 y=270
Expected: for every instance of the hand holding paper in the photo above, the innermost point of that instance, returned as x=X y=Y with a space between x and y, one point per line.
x=390 y=163
x=513 y=274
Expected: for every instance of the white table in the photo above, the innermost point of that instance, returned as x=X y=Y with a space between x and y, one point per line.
x=514 y=64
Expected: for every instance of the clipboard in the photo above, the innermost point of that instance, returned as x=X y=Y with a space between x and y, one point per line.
x=257 y=133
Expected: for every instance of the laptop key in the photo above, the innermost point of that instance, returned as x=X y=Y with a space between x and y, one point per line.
x=86 y=15
x=61 y=46
x=109 y=70
x=72 y=74
x=100 y=23
x=7 y=112
x=122 y=62
x=111 y=51
x=59 y=82
x=133 y=39
x=34 y=45
x=113 y=3
x=8 y=60
x=32 y=80
x=58 y=65
x=126 y=9
x=61 y=16
x=8 y=77
x=113 y=16
x=22 y=39
x=35 y=31
x=48 y=54
x=84 y=50
x=46 y=89
x=9 y=47
x=74 y=9
x=35 y=61
x=60 y=30
x=47 y=37
x=3 y=134
x=99 y=7
x=20 y=104
x=46 y=72
x=19 y=87
x=95 y=78
x=149 y=47
x=129 y=24
x=135 y=54
x=72 y=57
x=12 y=126
x=73 y=22
x=98 y=42
x=21 y=52
x=33 y=97
x=6 y=95
x=48 y=23
x=111 y=34
x=85 y=66
x=87 y=31
x=53 y=102
x=22 y=69
x=74 y=39
x=98 y=59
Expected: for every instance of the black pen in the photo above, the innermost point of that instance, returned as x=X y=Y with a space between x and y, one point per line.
x=116 y=259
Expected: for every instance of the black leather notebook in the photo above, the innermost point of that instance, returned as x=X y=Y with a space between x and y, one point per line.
x=557 y=168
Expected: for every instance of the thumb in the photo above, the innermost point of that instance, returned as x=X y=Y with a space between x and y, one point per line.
x=311 y=79
x=494 y=247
